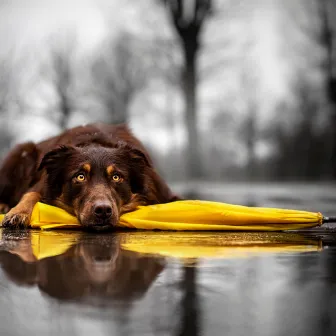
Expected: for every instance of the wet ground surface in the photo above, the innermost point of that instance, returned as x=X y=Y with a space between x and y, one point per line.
x=155 y=283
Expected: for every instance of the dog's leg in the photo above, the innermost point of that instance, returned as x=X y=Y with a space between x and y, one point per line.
x=19 y=216
x=16 y=174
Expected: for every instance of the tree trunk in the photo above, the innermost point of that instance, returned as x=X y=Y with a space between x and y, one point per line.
x=193 y=158
x=332 y=99
x=250 y=134
x=327 y=41
x=65 y=111
x=119 y=115
x=118 y=109
x=188 y=30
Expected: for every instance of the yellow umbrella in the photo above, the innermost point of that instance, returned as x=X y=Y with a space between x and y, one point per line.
x=191 y=216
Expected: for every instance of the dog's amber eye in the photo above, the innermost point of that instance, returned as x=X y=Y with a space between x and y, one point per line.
x=80 y=177
x=116 y=178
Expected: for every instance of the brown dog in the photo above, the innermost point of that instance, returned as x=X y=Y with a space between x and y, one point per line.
x=96 y=172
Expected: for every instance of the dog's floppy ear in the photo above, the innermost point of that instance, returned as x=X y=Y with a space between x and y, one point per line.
x=138 y=163
x=53 y=162
x=136 y=156
x=55 y=157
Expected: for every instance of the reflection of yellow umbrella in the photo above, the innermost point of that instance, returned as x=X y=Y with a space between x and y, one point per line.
x=185 y=245
x=207 y=245
x=191 y=215
x=48 y=244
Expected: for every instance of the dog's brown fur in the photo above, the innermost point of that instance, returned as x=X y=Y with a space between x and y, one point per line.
x=96 y=172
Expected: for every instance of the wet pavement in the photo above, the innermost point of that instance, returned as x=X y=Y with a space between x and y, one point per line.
x=153 y=283
x=171 y=283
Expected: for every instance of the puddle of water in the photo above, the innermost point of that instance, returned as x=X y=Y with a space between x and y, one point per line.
x=153 y=283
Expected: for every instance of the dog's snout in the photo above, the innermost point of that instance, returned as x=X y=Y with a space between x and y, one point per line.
x=99 y=214
x=103 y=210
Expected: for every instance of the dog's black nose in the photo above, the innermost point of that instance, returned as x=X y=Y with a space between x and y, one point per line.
x=103 y=210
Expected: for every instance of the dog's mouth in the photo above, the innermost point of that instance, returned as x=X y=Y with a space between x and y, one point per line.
x=98 y=225
x=99 y=228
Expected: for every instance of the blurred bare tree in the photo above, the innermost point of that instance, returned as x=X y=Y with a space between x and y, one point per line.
x=305 y=150
x=188 y=19
x=248 y=131
x=11 y=95
x=119 y=74
x=305 y=145
x=248 y=128
x=326 y=38
x=10 y=99
x=5 y=84
x=300 y=149
x=59 y=73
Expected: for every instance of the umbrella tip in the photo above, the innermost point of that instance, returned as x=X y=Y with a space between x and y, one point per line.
x=331 y=219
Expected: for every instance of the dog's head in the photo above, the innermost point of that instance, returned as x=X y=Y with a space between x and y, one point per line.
x=93 y=182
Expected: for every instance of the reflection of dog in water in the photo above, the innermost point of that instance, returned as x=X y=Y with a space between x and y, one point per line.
x=95 y=266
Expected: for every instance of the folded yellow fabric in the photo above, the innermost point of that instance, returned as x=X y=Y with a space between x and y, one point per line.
x=190 y=215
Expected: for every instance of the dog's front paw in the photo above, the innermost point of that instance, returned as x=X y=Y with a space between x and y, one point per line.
x=16 y=220
x=4 y=208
